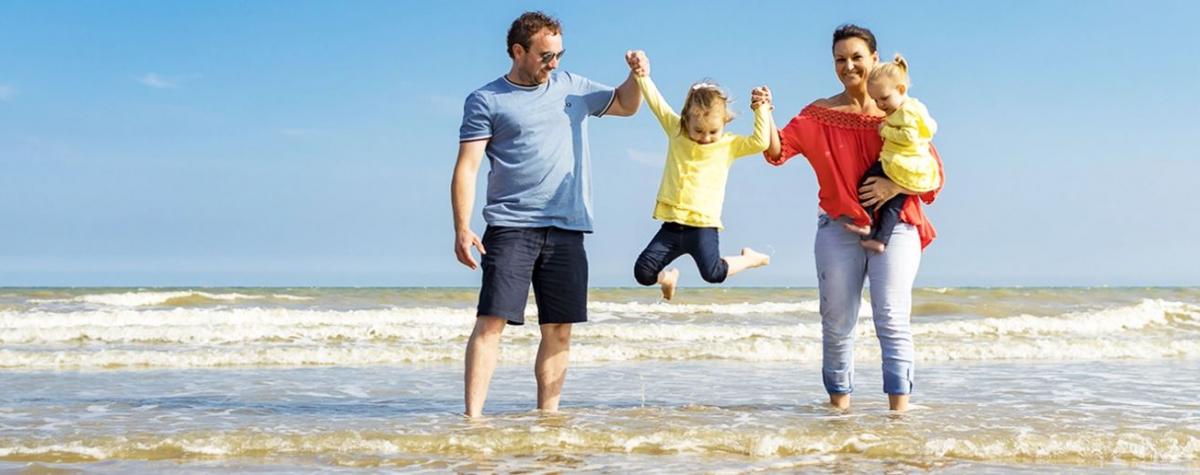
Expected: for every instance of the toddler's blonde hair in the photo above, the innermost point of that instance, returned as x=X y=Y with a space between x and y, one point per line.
x=896 y=70
x=703 y=98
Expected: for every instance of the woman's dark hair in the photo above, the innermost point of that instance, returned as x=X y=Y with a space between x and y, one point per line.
x=529 y=24
x=850 y=30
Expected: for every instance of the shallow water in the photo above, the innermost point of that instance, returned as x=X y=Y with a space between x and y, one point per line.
x=285 y=380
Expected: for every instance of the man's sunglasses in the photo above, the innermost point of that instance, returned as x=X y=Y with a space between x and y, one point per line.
x=547 y=57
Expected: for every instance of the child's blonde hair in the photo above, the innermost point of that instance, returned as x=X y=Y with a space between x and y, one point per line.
x=896 y=70
x=703 y=98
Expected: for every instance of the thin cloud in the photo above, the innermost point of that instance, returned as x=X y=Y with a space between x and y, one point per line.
x=7 y=92
x=158 y=82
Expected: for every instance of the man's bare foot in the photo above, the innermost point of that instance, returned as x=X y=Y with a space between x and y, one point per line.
x=667 y=280
x=757 y=259
x=873 y=245
x=840 y=401
x=859 y=230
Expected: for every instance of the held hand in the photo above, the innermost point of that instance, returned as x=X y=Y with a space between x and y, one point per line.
x=761 y=95
x=877 y=190
x=638 y=63
x=463 y=240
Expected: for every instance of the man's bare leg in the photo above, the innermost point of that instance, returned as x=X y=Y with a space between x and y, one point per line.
x=551 y=367
x=898 y=402
x=748 y=260
x=482 y=351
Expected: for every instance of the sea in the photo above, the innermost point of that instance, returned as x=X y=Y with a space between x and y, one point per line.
x=720 y=380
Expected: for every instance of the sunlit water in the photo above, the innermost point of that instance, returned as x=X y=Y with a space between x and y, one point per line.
x=285 y=380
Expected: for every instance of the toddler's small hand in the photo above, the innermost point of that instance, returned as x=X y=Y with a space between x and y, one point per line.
x=760 y=95
x=638 y=62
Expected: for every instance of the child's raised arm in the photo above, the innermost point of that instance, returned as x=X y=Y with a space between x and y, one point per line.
x=640 y=66
x=764 y=125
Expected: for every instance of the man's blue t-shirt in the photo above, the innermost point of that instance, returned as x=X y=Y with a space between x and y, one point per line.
x=538 y=149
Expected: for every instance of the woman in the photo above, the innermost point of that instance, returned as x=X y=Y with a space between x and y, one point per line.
x=839 y=136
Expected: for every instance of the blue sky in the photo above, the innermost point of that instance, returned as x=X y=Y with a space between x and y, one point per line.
x=311 y=143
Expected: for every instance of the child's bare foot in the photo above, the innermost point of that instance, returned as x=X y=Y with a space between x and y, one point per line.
x=873 y=245
x=667 y=280
x=859 y=230
x=757 y=259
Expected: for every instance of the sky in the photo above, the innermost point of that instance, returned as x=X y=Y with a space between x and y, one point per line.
x=297 y=143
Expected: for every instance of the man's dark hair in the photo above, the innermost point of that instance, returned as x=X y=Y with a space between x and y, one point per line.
x=528 y=24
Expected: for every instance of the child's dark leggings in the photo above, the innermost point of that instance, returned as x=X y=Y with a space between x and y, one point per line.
x=675 y=240
x=883 y=217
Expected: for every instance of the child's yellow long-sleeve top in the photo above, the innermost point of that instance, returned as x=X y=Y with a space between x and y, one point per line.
x=693 y=183
x=906 y=159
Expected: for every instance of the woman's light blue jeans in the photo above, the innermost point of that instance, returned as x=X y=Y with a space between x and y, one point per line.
x=842 y=267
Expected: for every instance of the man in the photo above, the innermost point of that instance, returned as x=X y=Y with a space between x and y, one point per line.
x=532 y=125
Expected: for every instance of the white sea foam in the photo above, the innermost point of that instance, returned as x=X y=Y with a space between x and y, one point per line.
x=219 y=337
x=1129 y=445
x=224 y=325
x=805 y=351
x=1086 y=323
x=290 y=297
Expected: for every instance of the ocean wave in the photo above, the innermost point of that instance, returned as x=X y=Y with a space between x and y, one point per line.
x=583 y=350
x=200 y=325
x=620 y=322
x=228 y=337
x=1109 y=321
x=1127 y=445
x=196 y=298
x=169 y=298
x=244 y=324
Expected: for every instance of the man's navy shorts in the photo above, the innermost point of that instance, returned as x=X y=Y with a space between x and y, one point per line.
x=553 y=260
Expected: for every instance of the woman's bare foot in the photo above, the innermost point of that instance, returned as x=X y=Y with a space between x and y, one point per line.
x=859 y=230
x=667 y=280
x=840 y=401
x=756 y=259
x=873 y=245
